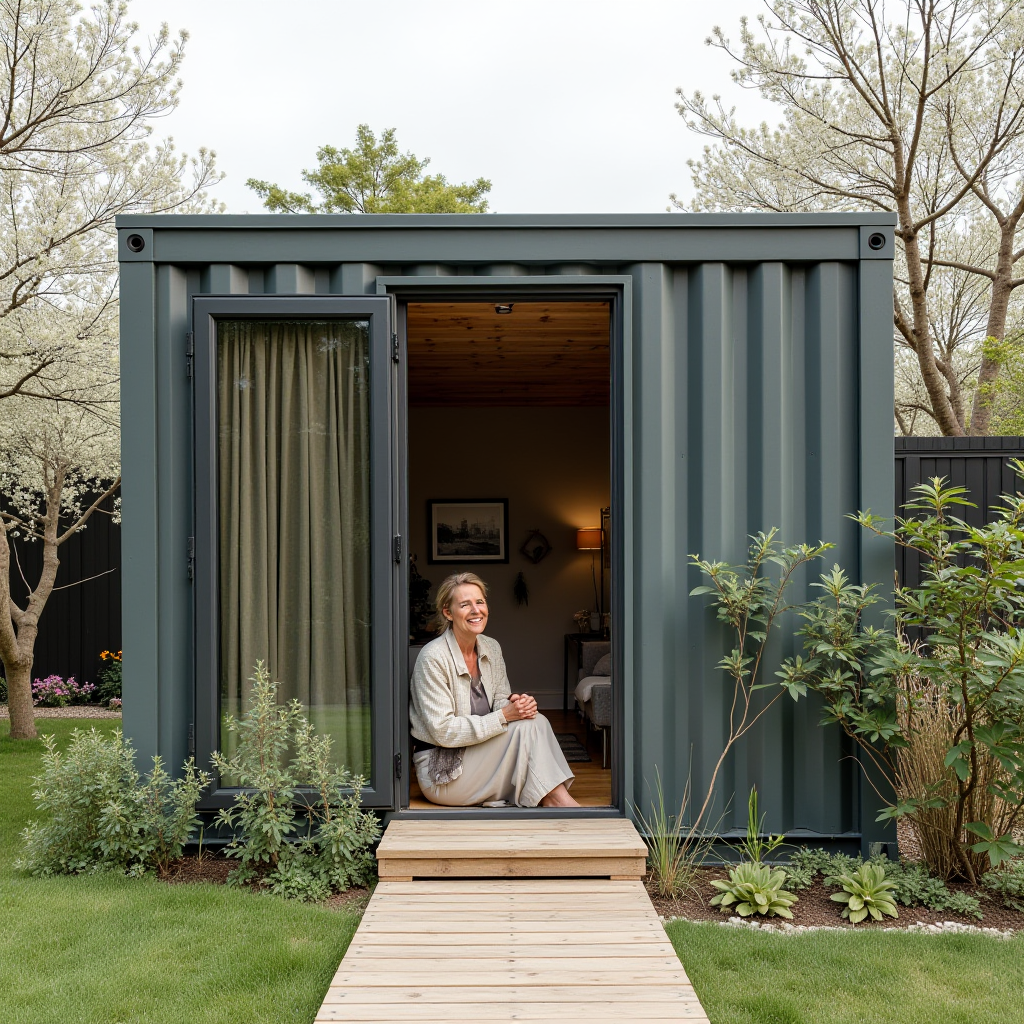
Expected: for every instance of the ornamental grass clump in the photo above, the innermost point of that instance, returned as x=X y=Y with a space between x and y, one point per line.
x=299 y=828
x=866 y=892
x=754 y=889
x=102 y=815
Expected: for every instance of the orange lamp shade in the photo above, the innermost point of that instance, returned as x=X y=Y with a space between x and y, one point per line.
x=588 y=539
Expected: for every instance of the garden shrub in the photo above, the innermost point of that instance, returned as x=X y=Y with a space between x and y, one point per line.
x=109 y=687
x=300 y=830
x=936 y=704
x=102 y=815
x=56 y=692
x=3 y=690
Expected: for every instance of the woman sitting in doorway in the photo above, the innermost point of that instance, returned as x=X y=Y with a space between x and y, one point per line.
x=474 y=741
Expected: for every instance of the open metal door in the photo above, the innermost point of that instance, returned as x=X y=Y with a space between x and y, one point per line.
x=296 y=555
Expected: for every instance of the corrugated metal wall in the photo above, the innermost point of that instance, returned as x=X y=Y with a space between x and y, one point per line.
x=759 y=396
x=746 y=420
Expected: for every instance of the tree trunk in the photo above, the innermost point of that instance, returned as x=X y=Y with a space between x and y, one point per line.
x=935 y=382
x=19 y=700
x=992 y=355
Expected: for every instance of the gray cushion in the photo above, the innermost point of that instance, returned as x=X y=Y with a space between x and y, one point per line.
x=603 y=666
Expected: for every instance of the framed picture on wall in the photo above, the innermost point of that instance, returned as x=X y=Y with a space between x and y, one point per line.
x=467 y=530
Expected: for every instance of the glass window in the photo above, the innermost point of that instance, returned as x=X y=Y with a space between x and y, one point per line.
x=294 y=521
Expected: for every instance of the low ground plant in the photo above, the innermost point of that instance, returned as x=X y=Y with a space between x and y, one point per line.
x=100 y=814
x=866 y=893
x=56 y=692
x=754 y=889
x=299 y=828
x=1007 y=883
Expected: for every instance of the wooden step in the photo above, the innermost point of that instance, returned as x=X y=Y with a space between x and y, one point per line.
x=561 y=848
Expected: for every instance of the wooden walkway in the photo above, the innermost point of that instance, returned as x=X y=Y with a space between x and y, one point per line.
x=521 y=948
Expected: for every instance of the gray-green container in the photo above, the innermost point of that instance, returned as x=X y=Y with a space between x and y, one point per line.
x=752 y=387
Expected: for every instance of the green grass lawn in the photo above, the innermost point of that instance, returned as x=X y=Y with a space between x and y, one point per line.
x=111 y=950
x=749 y=977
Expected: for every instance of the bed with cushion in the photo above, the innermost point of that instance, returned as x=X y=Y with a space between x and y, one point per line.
x=594 y=690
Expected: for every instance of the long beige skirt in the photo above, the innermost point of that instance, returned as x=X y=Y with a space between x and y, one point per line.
x=521 y=766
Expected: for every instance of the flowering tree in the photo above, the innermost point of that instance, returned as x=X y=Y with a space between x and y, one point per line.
x=910 y=106
x=78 y=104
x=79 y=99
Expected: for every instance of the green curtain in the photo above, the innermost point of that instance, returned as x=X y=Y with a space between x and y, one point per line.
x=294 y=503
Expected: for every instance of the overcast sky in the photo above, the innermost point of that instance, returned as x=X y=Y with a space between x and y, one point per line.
x=566 y=105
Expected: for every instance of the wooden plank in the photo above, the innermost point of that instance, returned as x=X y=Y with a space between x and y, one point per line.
x=502 y=975
x=501 y=1010
x=372 y=936
x=531 y=885
x=592 y=994
x=513 y=950
x=499 y=867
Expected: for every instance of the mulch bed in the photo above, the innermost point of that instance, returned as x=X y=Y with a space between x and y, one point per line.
x=816 y=908
x=213 y=868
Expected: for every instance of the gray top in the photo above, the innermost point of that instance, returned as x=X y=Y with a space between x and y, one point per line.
x=478 y=702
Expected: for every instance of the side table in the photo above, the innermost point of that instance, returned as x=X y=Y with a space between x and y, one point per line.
x=578 y=639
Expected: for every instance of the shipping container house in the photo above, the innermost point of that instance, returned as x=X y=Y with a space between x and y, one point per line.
x=324 y=415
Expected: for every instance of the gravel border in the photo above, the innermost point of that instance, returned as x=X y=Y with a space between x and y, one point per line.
x=82 y=711
x=918 y=928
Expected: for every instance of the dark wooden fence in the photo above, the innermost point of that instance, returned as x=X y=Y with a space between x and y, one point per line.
x=84 y=616
x=981 y=464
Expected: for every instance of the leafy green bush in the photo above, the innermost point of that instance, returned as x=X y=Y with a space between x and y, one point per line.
x=1008 y=882
x=942 y=718
x=300 y=830
x=102 y=815
x=866 y=892
x=3 y=690
x=754 y=889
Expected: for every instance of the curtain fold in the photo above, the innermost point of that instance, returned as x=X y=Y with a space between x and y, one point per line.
x=294 y=494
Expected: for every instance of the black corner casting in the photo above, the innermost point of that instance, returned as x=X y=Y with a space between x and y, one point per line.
x=137 y=243
x=875 y=241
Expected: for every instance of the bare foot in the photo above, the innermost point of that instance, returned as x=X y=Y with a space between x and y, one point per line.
x=558 y=797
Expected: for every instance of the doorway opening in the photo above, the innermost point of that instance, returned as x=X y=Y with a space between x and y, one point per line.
x=510 y=476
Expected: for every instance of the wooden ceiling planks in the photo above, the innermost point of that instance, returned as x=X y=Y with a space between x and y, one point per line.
x=540 y=354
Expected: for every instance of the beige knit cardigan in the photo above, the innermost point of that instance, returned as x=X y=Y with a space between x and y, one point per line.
x=439 y=703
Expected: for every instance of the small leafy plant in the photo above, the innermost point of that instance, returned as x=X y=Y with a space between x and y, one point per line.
x=56 y=692
x=753 y=847
x=754 y=889
x=300 y=829
x=102 y=815
x=1007 y=882
x=866 y=892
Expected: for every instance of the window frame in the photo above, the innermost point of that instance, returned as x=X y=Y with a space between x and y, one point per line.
x=207 y=310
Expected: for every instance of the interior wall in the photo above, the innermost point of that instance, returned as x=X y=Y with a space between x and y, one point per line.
x=553 y=465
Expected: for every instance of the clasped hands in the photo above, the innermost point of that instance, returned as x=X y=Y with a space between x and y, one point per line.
x=519 y=706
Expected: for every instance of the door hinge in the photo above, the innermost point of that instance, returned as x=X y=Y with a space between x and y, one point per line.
x=397 y=550
x=189 y=352
x=394 y=348
x=191 y=553
x=398 y=766
x=191 y=739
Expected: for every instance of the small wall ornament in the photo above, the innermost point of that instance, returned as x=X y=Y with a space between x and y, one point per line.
x=536 y=547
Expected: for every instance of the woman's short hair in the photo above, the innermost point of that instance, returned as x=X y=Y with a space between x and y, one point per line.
x=446 y=593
